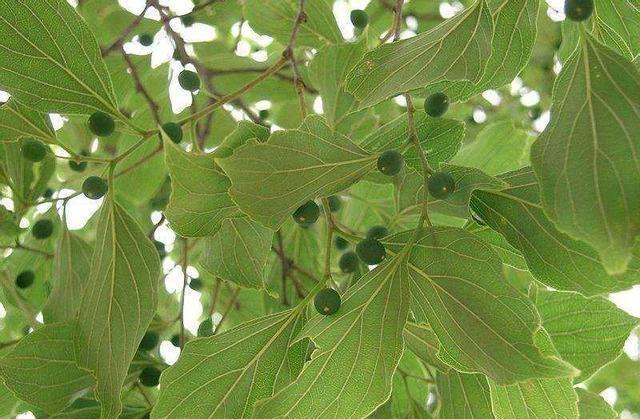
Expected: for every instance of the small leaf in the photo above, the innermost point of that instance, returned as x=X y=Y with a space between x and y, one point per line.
x=199 y=193
x=51 y=61
x=118 y=304
x=587 y=159
x=319 y=162
x=42 y=369
x=238 y=252
x=17 y=121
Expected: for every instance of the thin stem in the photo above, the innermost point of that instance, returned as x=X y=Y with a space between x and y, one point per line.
x=153 y=106
x=20 y=246
x=141 y=161
x=118 y=42
x=232 y=301
x=284 y=263
x=185 y=278
x=288 y=53
x=330 y=227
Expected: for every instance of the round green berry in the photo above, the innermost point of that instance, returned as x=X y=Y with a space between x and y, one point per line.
x=77 y=166
x=150 y=376
x=263 y=113
x=187 y=20
x=173 y=131
x=189 y=80
x=348 y=262
x=359 y=18
x=33 y=150
x=195 y=284
x=436 y=104
x=101 y=124
x=175 y=340
x=48 y=193
x=578 y=10
x=94 y=187
x=307 y=213
x=377 y=232
x=205 y=328
x=340 y=243
x=371 y=251
x=441 y=185
x=162 y=251
x=334 y=203
x=535 y=113
x=149 y=341
x=327 y=301
x=145 y=39
x=25 y=279
x=390 y=162
x=42 y=229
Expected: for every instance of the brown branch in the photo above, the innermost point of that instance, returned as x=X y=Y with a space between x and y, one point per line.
x=118 y=42
x=140 y=162
x=153 y=106
x=156 y=226
x=288 y=53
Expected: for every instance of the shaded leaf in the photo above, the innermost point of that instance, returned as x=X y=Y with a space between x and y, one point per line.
x=17 y=121
x=592 y=406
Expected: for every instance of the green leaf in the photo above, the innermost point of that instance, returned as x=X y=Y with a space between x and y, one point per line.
x=27 y=180
x=482 y=322
x=42 y=370
x=509 y=254
x=421 y=340
x=199 y=193
x=592 y=406
x=457 y=49
x=238 y=252
x=244 y=132
x=358 y=348
x=118 y=303
x=463 y=395
x=258 y=359
x=51 y=61
x=319 y=162
x=498 y=148
x=587 y=332
x=72 y=265
x=17 y=121
x=586 y=160
x=553 y=258
x=276 y=18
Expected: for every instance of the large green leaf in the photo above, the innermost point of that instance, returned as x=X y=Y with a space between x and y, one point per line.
x=553 y=258
x=51 y=61
x=72 y=265
x=587 y=332
x=238 y=252
x=457 y=49
x=359 y=348
x=276 y=18
x=200 y=199
x=118 y=303
x=318 y=162
x=587 y=158
x=482 y=322
x=42 y=370
x=463 y=395
x=223 y=376
x=17 y=121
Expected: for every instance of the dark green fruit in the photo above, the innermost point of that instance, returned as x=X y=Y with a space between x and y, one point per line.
x=390 y=162
x=334 y=203
x=195 y=284
x=348 y=262
x=327 y=301
x=441 y=185
x=189 y=80
x=371 y=251
x=307 y=213
x=578 y=10
x=150 y=376
x=340 y=243
x=175 y=340
x=145 y=39
x=173 y=131
x=33 y=150
x=101 y=124
x=436 y=104
x=149 y=341
x=359 y=18
x=205 y=328
x=162 y=251
x=187 y=20
x=48 y=193
x=377 y=232
x=42 y=229
x=25 y=279
x=263 y=114
x=79 y=166
x=94 y=187
x=535 y=113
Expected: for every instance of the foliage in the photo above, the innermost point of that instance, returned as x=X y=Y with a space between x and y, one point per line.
x=186 y=232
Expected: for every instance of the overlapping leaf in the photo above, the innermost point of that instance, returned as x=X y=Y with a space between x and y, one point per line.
x=593 y=406
x=51 y=61
x=318 y=162
x=118 y=304
x=587 y=158
x=421 y=340
x=463 y=395
x=223 y=376
x=17 y=121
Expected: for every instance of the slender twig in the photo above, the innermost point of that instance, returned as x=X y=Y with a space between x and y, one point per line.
x=284 y=263
x=288 y=53
x=20 y=246
x=232 y=301
x=185 y=279
x=214 y=296
x=155 y=227
x=153 y=106
x=140 y=162
x=330 y=228
x=4 y=345
x=293 y=266
x=118 y=42
x=397 y=23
